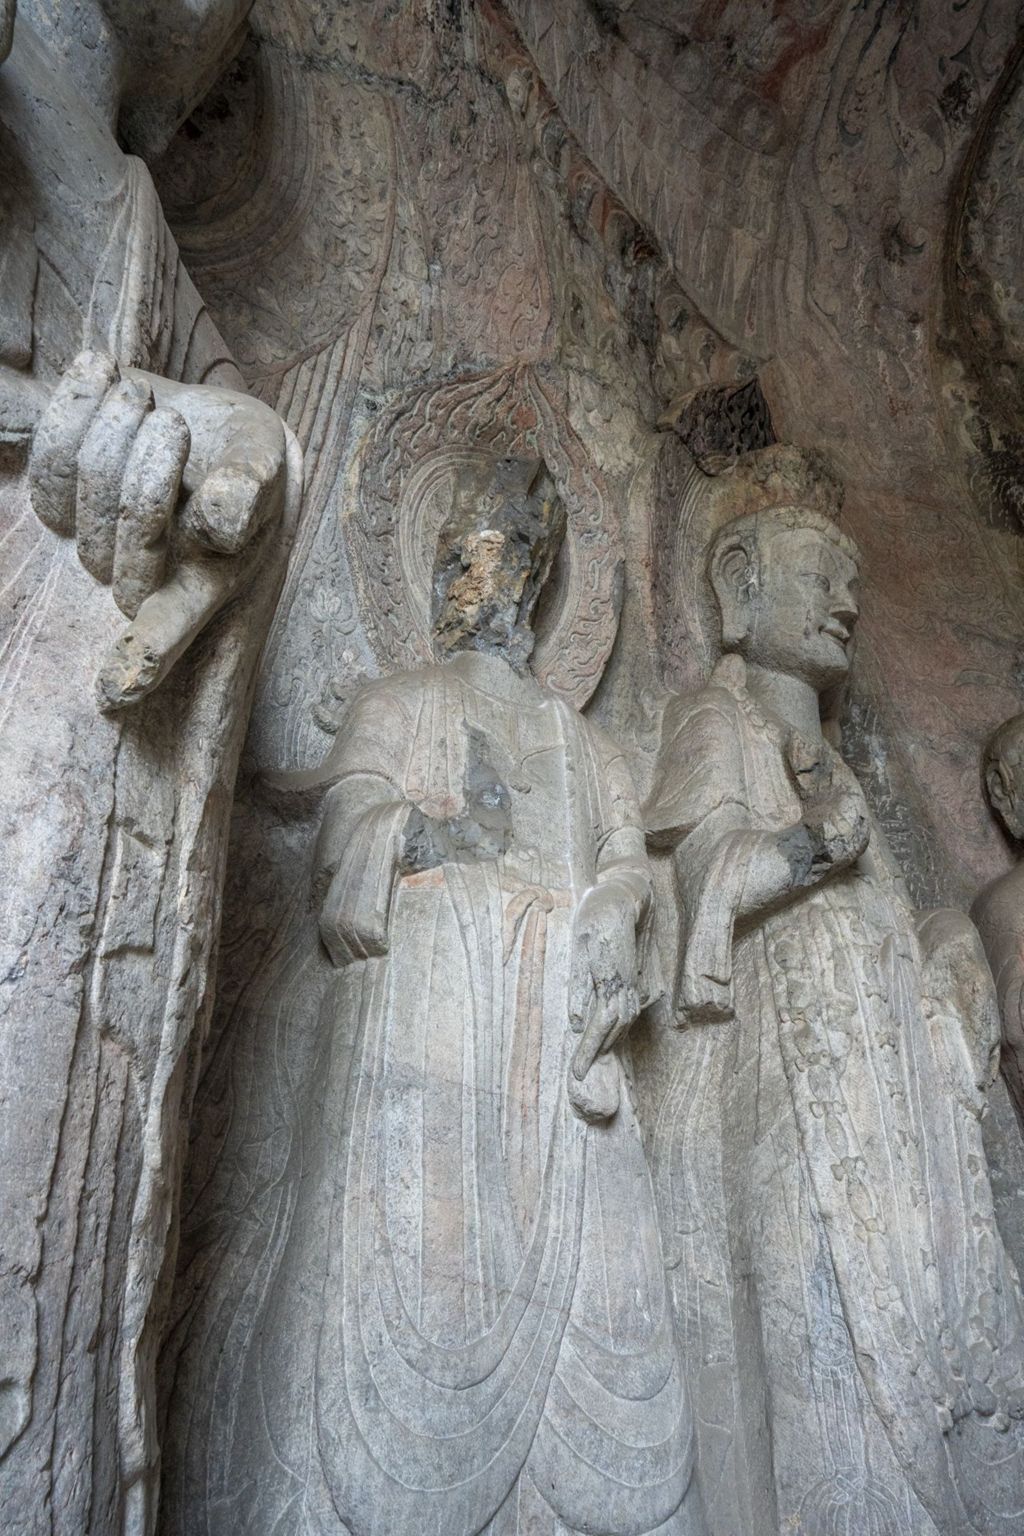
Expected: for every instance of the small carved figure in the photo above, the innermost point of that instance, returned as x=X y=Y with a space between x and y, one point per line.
x=874 y=1303
x=496 y=1352
x=999 y=908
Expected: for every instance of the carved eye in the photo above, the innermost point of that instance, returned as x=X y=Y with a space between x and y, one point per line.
x=819 y=580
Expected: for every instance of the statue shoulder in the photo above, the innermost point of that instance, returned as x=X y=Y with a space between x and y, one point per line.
x=380 y=717
x=396 y=689
x=998 y=909
x=700 y=761
x=709 y=719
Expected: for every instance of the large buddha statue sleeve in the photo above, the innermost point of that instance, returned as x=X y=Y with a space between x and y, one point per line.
x=698 y=810
x=361 y=836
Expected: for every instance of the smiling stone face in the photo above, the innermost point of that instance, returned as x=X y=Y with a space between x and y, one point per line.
x=786 y=582
x=804 y=612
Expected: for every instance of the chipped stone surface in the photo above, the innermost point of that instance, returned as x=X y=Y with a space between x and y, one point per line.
x=483 y=1272
x=125 y=685
x=998 y=909
x=689 y=259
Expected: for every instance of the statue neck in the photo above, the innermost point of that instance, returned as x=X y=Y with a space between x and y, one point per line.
x=88 y=55
x=790 y=698
x=493 y=672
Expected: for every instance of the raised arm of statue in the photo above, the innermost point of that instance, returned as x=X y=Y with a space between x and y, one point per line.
x=165 y=488
x=362 y=834
x=384 y=819
x=730 y=866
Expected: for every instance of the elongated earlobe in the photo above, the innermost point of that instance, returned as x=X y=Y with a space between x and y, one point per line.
x=733 y=575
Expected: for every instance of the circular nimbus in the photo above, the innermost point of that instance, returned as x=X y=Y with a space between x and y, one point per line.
x=403 y=487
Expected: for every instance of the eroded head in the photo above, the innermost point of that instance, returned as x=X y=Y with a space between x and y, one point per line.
x=494 y=553
x=786 y=581
x=1004 y=775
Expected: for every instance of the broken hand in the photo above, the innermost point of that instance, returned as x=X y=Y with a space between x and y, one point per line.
x=604 y=994
x=164 y=488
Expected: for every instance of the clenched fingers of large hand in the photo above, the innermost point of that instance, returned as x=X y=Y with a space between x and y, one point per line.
x=101 y=466
x=53 y=466
x=149 y=493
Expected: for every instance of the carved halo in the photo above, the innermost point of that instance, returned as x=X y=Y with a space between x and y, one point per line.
x=402 y=486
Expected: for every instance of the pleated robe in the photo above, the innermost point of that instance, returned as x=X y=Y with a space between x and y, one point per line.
x=496 y=1351
x=877 y=1315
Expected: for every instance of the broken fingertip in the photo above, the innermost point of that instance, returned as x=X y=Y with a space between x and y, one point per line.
x=132 y=670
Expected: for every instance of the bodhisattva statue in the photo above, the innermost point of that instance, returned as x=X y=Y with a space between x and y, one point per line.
x=877 y=1315
x=496 y=1352
x=999 y=909
x=140 y=492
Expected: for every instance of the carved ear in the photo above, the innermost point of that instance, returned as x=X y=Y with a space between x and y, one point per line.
x=733 y=574
x=1000 y=794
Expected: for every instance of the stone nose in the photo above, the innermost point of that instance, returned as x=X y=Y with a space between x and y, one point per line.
x=844 y=607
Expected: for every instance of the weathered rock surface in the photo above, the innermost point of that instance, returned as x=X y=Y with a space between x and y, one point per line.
x=640 y=243
x=129 y=650
x=850 y=1047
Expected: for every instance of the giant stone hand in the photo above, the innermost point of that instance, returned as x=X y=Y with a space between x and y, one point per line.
x=165 y=488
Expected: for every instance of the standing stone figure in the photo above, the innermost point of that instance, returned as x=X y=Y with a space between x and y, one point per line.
x=496 y=1351
x=878 y=1319
x=999 y=909
x=145 y=507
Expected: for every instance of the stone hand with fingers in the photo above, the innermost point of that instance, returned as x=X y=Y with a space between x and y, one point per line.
x=835 y=826
x=604 y=994
x=166 y=488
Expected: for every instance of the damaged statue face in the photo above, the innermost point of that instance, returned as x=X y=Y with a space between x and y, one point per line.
x=1004 y=775
x=494 y=554
x=787 y=586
